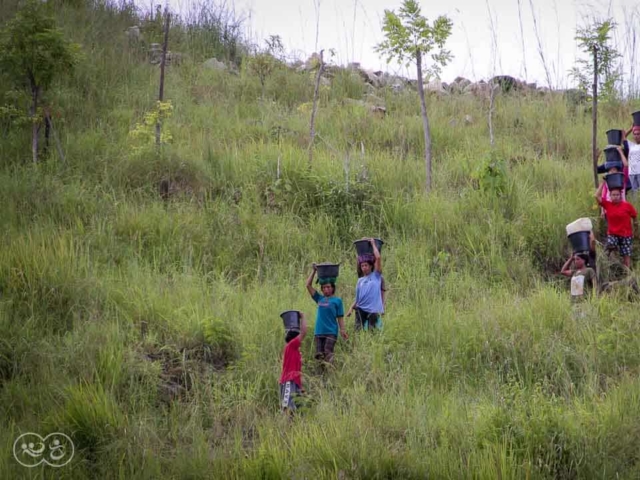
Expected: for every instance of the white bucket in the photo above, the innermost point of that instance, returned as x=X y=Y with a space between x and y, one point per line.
x=580 y=225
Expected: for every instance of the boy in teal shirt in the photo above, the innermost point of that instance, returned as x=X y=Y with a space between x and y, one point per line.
x=329 y=317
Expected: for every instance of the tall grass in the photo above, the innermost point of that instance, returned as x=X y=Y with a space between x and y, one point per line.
x=148 y=330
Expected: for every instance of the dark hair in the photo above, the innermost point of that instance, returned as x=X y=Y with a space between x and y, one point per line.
x=359 y=268
x=583 y=256
x=616 y=188
x=291 y=334
x=333 y=287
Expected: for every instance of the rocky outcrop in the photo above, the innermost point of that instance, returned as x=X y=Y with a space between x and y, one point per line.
x=214 y=64
x=155 y=55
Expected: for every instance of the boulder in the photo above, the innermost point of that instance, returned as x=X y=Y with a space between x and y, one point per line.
x=435 y=86
x=479 y=88
x=370 y=77
x=378 y=110
x=462 y=83
x=155 y=53
x=507 y=83
x=134 y=35
x=214 y=64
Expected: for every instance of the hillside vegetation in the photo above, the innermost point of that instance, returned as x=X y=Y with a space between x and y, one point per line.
x=148 y=329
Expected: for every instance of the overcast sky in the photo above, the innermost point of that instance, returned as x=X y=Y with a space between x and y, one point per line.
x=353 y=28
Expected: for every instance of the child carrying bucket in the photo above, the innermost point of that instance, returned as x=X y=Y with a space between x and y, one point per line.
x=330 y=313
x=291 y=376
x=369 y=304
x=634 y=159
x=606 y=194
x=583 y=278
x=621 y=217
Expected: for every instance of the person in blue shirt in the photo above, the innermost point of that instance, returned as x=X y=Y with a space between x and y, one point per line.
x=369 y=303
x=329 y=317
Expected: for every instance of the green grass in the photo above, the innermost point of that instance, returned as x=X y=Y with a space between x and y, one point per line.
x=149 y=331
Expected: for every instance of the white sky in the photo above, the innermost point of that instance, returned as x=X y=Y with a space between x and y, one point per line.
x=353 y=28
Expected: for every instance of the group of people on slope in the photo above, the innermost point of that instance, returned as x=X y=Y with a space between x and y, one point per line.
x=630 y=157
x=620 y=216
x=368 y=305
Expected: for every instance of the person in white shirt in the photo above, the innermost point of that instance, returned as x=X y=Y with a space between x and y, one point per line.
x=634 y=159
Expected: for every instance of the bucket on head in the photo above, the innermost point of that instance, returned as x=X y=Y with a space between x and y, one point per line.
x=611 y=154
x=611 y=165
x=636 y=118
x=328 y=270
x=614 y=137
x=363 y=246
x=614 y=180
x=291 y=319
x=579 y=242
x=580 y=225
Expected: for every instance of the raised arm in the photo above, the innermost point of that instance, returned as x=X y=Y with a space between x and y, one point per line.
x=598 y=194
x=627 y=132
x=309 y=285
x=566 y=268
x=376 y=253
x=625 y=162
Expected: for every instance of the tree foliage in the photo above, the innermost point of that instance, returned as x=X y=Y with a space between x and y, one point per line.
x=408 y=34
x=33 y=50
x=597 y=36
x=265 y=61
x=408 y=37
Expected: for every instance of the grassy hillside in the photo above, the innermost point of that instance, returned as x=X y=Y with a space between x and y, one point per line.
x=149 y=331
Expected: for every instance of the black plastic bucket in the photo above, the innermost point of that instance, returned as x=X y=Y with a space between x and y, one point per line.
x=580 y=242
x=291 y=319
x=614 y=137
x=609 y=165
x=363 y=247
x=328 y=270
x=636 y=118
x=612 y=154
x=614 y=180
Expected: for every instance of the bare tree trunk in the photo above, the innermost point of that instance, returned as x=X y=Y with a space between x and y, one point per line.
x=35 y=126
x=425 y=123
x=162 y=66
x=594 y=117
x=314 y=110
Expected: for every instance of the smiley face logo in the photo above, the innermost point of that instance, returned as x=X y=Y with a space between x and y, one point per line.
x=55 y=450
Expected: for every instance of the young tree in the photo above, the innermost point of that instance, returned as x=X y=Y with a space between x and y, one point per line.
x=409 y=36
x=597 y=37
x=33 y=51
x=265 y=61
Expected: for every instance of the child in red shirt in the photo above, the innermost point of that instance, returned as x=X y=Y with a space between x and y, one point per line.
x=291 y=377
x=621 y=217
x=606 y=194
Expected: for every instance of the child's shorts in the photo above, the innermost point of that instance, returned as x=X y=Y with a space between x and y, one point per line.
x=288 y=392
x=623 y=244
